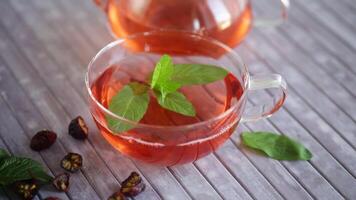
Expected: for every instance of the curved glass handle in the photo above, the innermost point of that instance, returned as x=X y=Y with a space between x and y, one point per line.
x=261 y=82
x=274 y=22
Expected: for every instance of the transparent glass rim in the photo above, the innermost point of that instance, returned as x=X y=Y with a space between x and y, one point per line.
x=175 y=127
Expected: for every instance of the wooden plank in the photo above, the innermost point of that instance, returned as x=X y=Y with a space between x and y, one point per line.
x=97 y=14
x=325 y=38
x=321 y=55
x=57 y=49
x=342 y=11
x=312 y=69
x=273 y=171
x=51 y=15
x=68 y=97
x=350 y=3
x=75 y=106
x=97 y=32
x=79 y=185
x=309 y=69
x=327 y=84
x=337 y=118
x=344 y=33
x=278 y=40
x=6 y=194
x=218 y=176
x=305 y=173
x=295 y=106
x=18 y=144
x=328 y=169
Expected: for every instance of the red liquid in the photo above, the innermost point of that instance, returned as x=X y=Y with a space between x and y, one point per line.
x=225 y=20
x=209 y=100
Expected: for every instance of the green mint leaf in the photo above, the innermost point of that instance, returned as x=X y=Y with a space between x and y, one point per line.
x=161 y=77
x=197 y=74
x=14 y=169
x=3 y=154
x=131 y=103
x=162 y=72
x=276 y=146
x=176 y=102
x=168 y=88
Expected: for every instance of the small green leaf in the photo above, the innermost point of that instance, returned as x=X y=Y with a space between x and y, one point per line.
x=196 y=74
x=276 y=146
x=161 y=78
x=3 y=154
x=162 y=72
x=14 y=169
x=176 y=102
x=131 y=103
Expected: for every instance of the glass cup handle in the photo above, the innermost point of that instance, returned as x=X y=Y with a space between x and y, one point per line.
x=261 y=82
x=274 y=22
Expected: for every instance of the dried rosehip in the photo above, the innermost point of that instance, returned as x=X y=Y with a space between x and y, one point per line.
x=61 y=182
x=26 y=189
x=43 y=140
x=52 y=198
x=133 y=185
x=78 y=129
x=72 y=162
x=117 y=196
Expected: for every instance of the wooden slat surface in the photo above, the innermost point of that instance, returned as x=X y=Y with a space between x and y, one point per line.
x=46 y=45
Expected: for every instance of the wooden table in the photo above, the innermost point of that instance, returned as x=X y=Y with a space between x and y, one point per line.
x=46 y=45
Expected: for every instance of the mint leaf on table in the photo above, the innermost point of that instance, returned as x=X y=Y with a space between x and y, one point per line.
x=3 y=154
x=176 y=102
x=131 y=103
x=276 y=146
x=14 y=169
x=197 y=74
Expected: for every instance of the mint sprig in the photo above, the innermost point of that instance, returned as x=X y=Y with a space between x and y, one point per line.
x=14 y=169
x=165 y=81
x=276 y=146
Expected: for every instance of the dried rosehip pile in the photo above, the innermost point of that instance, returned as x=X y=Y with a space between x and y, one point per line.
x=43 y=140
x=72 y=162
x=130 y=187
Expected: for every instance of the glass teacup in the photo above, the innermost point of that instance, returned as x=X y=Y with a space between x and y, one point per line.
x=163 y=137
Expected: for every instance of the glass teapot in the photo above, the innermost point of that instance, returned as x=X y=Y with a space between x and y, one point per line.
x=226 y=20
